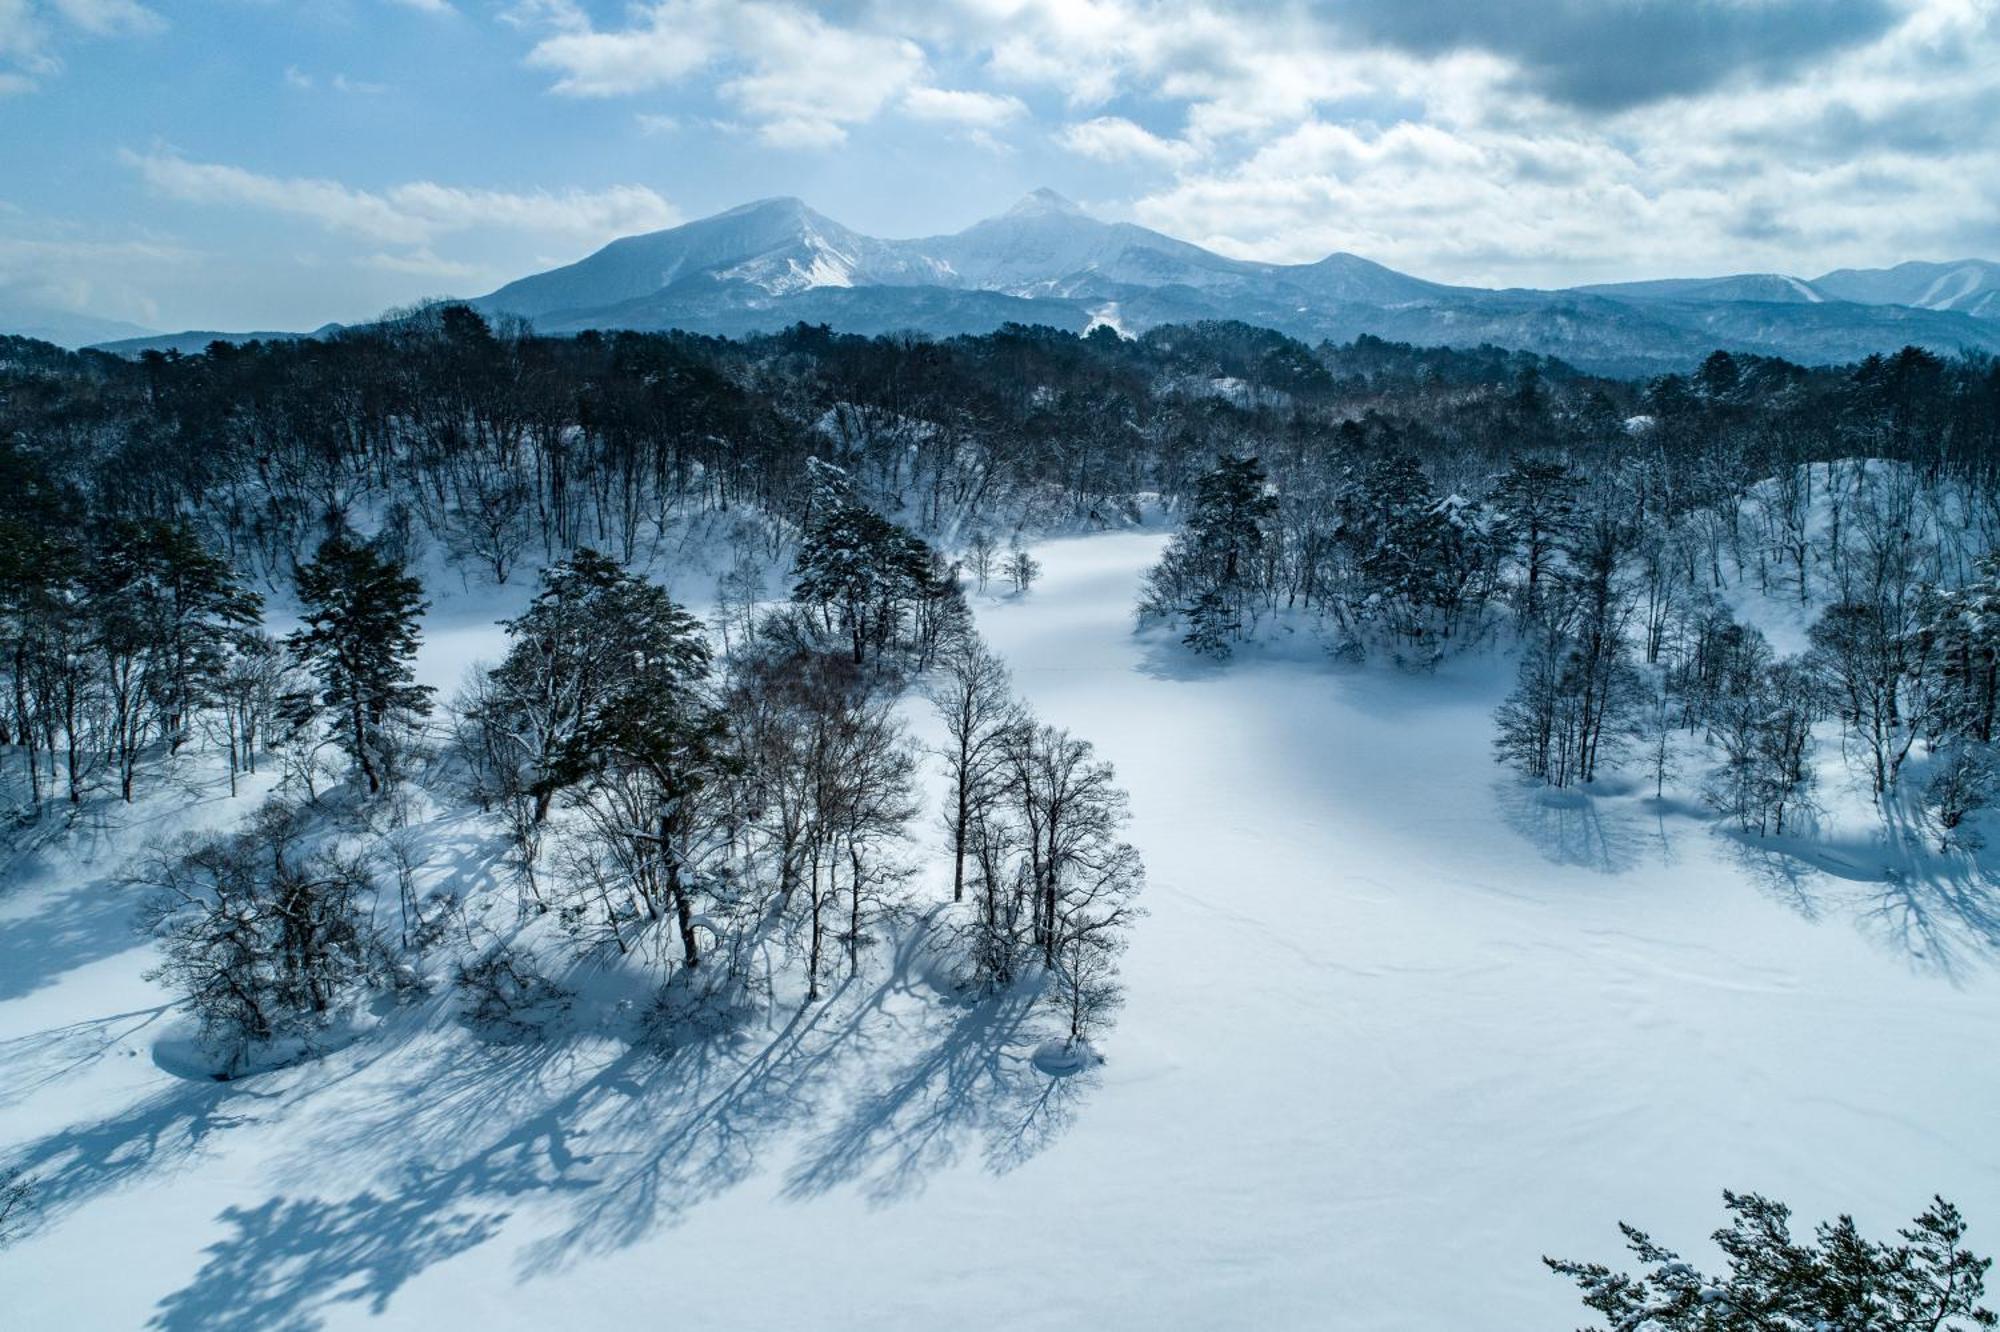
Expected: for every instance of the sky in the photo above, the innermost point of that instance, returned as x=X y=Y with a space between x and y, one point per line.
x=275 y=164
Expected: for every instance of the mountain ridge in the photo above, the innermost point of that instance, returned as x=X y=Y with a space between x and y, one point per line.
x=773 y=262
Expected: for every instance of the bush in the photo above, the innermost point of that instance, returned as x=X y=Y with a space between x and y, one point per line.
x=262 y=935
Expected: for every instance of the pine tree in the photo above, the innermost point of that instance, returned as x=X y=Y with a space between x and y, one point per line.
x=1536 y=500
x=651 y=741
x=1839 y=1282
x=360 y=636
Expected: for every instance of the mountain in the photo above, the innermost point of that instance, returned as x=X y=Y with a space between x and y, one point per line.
x=1970 y=285
x=65 y=328
x=195 y=341
x=1762 y=287
x=773 y=263
x=774 y=246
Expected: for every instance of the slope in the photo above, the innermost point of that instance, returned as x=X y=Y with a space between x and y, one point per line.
x=1397 y=1026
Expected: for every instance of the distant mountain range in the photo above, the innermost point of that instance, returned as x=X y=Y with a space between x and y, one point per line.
x=65 y=328
x=768 y=265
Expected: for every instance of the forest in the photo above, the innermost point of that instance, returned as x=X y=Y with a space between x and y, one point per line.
x=223 y=559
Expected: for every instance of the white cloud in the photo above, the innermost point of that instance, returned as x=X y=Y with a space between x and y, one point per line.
x=31 y=31
x=961 y=107
x=676 y=39
x=423 y=263
x=412 y=214
x=109 y=17
x=1115 y=139
x=83 y=275
x=801 y=79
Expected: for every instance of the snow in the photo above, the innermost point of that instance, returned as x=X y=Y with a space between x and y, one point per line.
x=1397 y=1026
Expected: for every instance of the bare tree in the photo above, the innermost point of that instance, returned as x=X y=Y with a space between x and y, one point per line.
x=973 y=695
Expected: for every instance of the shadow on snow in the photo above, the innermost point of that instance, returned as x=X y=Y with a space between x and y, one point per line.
x=442 y=1135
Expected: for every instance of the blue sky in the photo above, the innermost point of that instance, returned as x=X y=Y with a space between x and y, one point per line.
x=278 y=163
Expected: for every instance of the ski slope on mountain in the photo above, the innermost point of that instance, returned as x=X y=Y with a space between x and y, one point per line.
x=1397 y=1026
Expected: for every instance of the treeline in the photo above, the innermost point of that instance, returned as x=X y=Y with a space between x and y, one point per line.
x=1866 y=498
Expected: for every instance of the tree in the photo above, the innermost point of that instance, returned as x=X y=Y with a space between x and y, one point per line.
x=1215 y=565
x=1021 y=569
x=167 y=614
x=250 y=695
x=1082 y=880
x=1841 y=1281
x=859 y=568
x=568 y=654
x=1880 y=673
x=980 y=554
x=973 y=695
x=649 y=747
x=1764 y=730
x=1960 y=788
x=1577 y=701
x=1536 y=501
x=17 y=1204
x=361 y=614
x=260 y=934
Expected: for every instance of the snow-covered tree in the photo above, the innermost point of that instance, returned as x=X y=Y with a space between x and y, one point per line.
x=361 y=613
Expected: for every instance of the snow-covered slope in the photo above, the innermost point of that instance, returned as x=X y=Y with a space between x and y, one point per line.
x=1970 y=285
x=776 y=246
x=1772 y=287
x=1397 y=1026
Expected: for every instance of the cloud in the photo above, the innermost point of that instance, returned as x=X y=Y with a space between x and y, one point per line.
x=413 y=214
x=423 y=263
x=982 y=109
x=83 y=275
x=1611 y=56
x=800 y=79
x=31 y=31
x=1115 y=139
x=674 y=41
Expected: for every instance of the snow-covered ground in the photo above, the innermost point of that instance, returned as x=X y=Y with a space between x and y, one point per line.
x=1397 y=1026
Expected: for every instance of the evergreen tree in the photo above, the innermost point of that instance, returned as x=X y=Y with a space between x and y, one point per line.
x=1841 y=1281
x=651 y=742
x=1536 y=500
x=361 y=614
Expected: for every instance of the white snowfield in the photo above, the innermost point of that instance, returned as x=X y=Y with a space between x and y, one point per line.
x=1397 y=1027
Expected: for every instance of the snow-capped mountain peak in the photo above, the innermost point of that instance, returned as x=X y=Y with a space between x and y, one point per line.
x=774 y=262
x=1042 y=202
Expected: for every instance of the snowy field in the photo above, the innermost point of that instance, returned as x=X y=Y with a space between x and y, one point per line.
x=1397 y=1026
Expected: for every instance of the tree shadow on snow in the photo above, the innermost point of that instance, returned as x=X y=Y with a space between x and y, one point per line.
x=619 y=1138
x=1573 y=828
x=1942 y=910
x=436 y=1137
x=71 y=929
x=290 y=1258
x=977 y=1081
